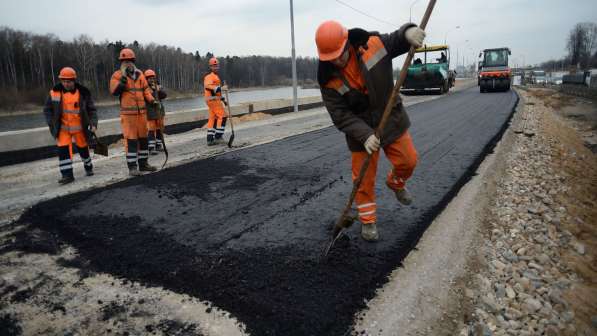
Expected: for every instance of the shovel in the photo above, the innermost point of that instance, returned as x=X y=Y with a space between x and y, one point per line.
x=345 y=219
x=231 y=140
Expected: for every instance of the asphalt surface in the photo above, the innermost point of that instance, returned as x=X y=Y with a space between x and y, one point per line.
x=245 y=230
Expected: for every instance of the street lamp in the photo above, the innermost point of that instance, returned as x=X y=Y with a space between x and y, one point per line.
x=446 y=37
x=410 y=15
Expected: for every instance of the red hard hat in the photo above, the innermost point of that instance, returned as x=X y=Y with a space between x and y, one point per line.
x=331 y=38
x=127 y=54
x=213 y=61
x=149 y=73
x=67 y=73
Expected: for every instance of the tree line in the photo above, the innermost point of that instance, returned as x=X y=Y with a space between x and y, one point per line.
x=581 y=45
x=29 y=66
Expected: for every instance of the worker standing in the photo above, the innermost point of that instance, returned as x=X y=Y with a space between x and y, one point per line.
x=155 y=112
x=130 y=85
x=212 y=87
x=70 y=114
x=355 y=76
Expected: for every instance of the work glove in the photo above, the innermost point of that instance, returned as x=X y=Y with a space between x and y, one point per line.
x=224 y=101
x=218 y=89
x=415 y=36
x=372 y=144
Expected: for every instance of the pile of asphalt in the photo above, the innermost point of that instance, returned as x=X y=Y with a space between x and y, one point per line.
x=245 y=230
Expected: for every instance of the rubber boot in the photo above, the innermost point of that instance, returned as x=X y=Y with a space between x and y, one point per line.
x=84 y=153
x=134 y=171
x=65 y=164
x=131 y=155
x=211 y=132
x=369 y=232
x=66 y=180
x=146 y=167
x=152 y=143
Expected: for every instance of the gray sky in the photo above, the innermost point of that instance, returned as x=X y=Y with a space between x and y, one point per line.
x=535 y=30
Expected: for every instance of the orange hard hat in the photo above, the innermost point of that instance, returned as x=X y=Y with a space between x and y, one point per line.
x=67 y=73
x=213 y=61
x=127 y=54
x=149 y=73
x=331 y=38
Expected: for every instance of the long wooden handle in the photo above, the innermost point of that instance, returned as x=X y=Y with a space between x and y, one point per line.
x=385 y=116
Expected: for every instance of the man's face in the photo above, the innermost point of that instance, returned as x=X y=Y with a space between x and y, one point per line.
x=68 y=84
x=342 y=60
x=151 y=80
x=129 y=65
x=214 y=68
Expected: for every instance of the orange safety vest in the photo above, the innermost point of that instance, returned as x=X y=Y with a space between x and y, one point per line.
x=211 y=82
x=132 y=99
x=70 y=118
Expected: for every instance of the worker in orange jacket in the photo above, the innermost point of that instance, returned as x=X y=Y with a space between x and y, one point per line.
x=212 y=87
x=355 y=76
x=155 y=113
x=71 y=114
x=130 y=85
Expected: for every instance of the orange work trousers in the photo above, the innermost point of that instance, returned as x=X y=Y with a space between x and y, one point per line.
x=65 y=138
x=403 y=157
x=154 y=125
x=216 y=118
x=134 y=126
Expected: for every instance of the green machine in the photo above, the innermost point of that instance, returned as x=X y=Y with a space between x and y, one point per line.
x=429 y=71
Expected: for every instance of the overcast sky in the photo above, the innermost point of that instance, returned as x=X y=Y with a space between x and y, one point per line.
x=535 y=30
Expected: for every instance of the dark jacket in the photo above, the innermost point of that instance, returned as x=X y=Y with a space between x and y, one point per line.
x=156 y=112
x=88 y=112
x=357 y=114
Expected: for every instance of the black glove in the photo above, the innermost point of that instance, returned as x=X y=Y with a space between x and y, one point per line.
x=123 y=79
x=218 y=89
x=224 y=101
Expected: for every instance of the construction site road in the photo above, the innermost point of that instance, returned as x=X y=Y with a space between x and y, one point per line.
x=245 y=229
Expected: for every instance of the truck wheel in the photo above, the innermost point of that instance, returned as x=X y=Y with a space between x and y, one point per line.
x=446 y=87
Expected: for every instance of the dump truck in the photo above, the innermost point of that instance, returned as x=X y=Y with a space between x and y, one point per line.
x=495 y=74
x=431 y=72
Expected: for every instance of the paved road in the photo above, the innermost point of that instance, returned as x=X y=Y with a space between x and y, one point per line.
x=244 y=230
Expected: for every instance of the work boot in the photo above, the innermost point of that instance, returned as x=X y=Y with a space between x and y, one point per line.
x=369 y=232
x=403 y=196
x=89 y=172
x=211 y=143
x=146 y=167
x=66 y=180
x=133 y=171
x=220 y=141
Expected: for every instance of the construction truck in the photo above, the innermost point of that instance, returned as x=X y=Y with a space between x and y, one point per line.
x=431 y=72
x=494 y=73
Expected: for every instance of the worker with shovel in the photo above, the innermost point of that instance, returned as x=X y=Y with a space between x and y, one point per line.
x=356 y=79
x=155 y=112
x=130 y=85
x=212 y=86
x=70 y=114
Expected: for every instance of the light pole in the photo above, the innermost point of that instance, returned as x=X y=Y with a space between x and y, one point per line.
x=410 y=14
x=446 y=37
x=294 y=81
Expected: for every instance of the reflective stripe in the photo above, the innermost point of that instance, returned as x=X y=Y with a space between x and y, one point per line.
x=211 y=131
x=132 y=108
x=143 y=151
x=66 y=161
x=220 y=131
x=365 y=205
x=87 y=160
x=71 y=111
x=55 y=99
x=71 y=128
x=67 y=167
x=367 y=213
x=135 y=89
x=376 y=58
x=214 y=98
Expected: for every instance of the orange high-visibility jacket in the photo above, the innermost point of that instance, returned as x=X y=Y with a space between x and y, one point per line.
x=210 y=84
x=70 y=119
x=54 y=109
x=133 y=94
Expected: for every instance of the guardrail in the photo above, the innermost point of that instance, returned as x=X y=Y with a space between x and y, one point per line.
x=37 y=143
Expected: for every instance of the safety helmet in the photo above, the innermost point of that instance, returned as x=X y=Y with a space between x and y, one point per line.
x=67 y=73
x=331 y=38
x=213 y=61
x=149 y=73
x=127 y=54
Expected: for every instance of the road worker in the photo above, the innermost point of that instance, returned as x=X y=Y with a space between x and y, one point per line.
x=215 y=102
x=130 y=85
x=70 y=113
x=155 y=113
x=355 y=76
